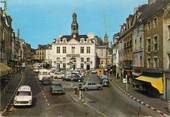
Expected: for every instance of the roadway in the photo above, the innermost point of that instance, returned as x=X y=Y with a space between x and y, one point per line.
x=113 y=103
x=109 y=102
x=47 y=105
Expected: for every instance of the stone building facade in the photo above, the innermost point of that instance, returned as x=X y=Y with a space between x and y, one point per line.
x=73 y=51
x=40 y=53
x=6 y=37
x=149 y=31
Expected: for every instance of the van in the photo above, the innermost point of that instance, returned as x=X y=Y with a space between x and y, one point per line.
x=43 y=73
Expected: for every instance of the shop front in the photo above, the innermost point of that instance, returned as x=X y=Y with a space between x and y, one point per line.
x=151 y=83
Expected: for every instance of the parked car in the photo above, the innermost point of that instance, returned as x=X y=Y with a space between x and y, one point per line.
x=46 y=80
x=56 y=87
x=67 y=76
x=77 y=78
x=105 y=82
x=58 y=75
x=104 y=77
x=75 y=72
x=23 y=96
x=93 y=71
x=91 y=86
x=36 y=69
x=43 y=73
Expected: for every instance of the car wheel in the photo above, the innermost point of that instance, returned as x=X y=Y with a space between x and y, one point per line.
x=100 y=88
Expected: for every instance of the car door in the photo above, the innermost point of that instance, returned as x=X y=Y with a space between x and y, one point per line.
x=89 y=85
x=93 y=85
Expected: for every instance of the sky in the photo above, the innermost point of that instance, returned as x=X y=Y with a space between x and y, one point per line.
x=41 y=21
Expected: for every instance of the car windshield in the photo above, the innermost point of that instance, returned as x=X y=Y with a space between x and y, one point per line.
x=23 y=93
x=57 y=85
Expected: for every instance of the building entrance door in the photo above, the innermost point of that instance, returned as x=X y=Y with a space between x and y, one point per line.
x=74 y=66
x=88 y=67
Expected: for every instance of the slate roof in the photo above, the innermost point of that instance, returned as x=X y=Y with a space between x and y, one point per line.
x=78 y=37
x=152 y=9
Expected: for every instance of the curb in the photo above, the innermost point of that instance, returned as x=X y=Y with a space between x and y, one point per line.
x=139 y=101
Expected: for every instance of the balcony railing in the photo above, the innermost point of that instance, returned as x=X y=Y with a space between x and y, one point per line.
x=73 y=55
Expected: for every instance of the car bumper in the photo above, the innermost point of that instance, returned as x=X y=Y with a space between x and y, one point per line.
x=22 y=104
x=57 y=92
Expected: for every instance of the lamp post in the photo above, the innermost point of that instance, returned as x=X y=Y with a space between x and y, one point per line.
x=166 y=77
x=126 y=83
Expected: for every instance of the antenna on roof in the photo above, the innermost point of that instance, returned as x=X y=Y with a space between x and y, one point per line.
x=5 y=6
x=74 y=6
x=106 y=24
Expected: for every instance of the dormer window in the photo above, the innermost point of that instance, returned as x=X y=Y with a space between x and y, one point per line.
x=155 y=22
x=64 y=40
x=82 y=40
x=59 y=41
x=88 y=40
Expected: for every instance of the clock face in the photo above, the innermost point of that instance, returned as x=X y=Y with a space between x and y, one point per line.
x=74 y=36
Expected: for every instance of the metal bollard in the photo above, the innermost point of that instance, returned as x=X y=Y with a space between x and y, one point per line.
x=169 y=105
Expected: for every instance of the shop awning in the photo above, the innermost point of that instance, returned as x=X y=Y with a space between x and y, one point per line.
x=156 y=82
x=4 y=69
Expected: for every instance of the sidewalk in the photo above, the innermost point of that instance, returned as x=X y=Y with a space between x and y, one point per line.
x=155 y=102
x=8 y=90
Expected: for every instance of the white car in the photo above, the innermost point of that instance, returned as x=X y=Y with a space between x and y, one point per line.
x=36 y=69
x=58 y=75
x=91 y=86
x=43 y=73
x=23 y=96
x=93 y=71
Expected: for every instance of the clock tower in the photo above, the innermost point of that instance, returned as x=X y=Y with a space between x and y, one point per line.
x=74 y=25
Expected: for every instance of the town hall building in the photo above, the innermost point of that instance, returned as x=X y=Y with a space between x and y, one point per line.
x=73 y=51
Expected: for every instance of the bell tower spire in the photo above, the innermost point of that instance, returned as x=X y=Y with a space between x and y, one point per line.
x=74 y=25
x=5 y=6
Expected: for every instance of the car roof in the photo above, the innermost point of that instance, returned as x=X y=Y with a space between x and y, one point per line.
x=24 y=88
x=90 y=82
x=55 y=82
x=104 y=76
x=44 y=70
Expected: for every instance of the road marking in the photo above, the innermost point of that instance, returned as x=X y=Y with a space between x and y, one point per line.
x=42 y=90
x=101 y=113
x=57 y=105
x=9 y=103
x=141 y=102
x=12 y=109
x=45 y=97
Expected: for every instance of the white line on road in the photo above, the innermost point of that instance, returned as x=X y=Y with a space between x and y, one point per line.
x=103 y=114
x=13 y=93
x=45 y=97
